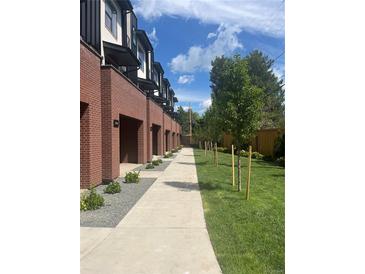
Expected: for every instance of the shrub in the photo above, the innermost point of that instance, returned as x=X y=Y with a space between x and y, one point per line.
x=180 y=147
x=132 y=177
x=167 y=154
x=281 y=161
x=150 y=166
x=91 y=200
x=268 y=158
x=257 y=155
x=243 y=153
x=159 y=161
x=279 y=147
x=227 y=150
x=221 y=149
x=113 y=187
x=174 y=150
x=155 y=162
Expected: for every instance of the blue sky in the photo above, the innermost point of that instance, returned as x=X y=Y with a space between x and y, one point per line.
x=188 y=34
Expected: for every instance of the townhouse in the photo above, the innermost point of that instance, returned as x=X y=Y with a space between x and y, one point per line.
x=126 y=105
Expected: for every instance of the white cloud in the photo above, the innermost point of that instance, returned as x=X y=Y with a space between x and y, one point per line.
x=199 y=58
x=264 y=16
x=185 y=79
x=194 y=97
x=279 y=71
x=190 y=96
x=185 y=108
x=201 y=111
x=153 y=37
x=206 y=103
x=211 y=35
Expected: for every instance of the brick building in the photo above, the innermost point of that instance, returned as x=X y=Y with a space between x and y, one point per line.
x=126 y=105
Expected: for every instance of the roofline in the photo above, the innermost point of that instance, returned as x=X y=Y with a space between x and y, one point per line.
x=158 y=64
x=145 y=37
x=125 y=4
x=167 y=81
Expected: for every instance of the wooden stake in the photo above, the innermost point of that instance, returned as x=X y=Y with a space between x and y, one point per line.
x=249 y=174
x=205 y=148
x=216 y=154
x=233 y=165
x=239 y=170
x=213 y=152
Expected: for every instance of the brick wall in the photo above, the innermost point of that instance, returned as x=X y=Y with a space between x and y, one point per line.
x=168 y=130
x=154 y=117
x=84 y=145
x=107 y=95
x=90 y=118
x=120 y=97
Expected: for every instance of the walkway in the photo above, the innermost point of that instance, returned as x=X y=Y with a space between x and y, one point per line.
x=164 y=232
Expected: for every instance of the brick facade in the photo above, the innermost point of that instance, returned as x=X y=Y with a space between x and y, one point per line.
x=106 y=95
x=167 y=132
x=155 y=120
x=90 y=118
x=121 y=98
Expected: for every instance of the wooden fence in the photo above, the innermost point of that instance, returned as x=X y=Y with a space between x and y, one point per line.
x=186 y=140
x=263 y=142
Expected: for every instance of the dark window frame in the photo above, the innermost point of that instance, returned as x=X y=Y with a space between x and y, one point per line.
x=141 y=52
x=111 y=17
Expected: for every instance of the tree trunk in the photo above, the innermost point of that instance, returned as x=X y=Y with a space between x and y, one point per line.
x=239 y=169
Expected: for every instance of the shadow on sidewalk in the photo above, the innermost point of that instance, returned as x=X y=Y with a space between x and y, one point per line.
x=184 y=186
x=191 y=164
x=187 y=186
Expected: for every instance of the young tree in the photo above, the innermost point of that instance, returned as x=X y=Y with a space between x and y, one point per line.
x=238 y=102
x=260 y=70
x=183 y=119
x=213 y=127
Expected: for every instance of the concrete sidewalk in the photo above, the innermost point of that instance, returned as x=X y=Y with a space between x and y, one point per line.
x=164 y=232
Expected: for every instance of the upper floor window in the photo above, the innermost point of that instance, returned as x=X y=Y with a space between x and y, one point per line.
x=134 y=38
x=141 y=58
x=155 y=77
x=111 y=18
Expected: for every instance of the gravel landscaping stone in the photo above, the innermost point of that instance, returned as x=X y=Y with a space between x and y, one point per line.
x=116 y=205
x=160 y=167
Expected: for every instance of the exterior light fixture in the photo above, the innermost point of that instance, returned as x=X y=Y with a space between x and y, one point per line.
x=115 y=123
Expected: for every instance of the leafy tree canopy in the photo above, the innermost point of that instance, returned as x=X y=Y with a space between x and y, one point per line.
x=183 y=118
x=237 y=101
x=260 y=70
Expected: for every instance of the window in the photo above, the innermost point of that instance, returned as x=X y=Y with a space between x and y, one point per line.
x=141 y=58
x=155 y=76
x=134 y=40
x=111 y=18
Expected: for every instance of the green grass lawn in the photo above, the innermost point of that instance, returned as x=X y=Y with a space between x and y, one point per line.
x=247 y=236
